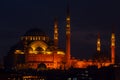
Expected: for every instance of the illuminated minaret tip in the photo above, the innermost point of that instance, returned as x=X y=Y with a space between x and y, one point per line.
x=68 y=54
x=113 y=48
x=56 y=33
x=98 y=43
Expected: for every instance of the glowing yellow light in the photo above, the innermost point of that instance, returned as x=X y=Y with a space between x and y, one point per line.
x=113 y=43
x=60 y=52
x=36 y=44
x=25 y=77
x=48 y=52
x=36 y=38
x=18 y=52
x=39 y=38
x=56 y=31
x=55 y=37
x=68 y=25
x=98 y=44
x=113 y=39
x=98 y=49
x=31 y=52
x=113 y=35
x=68 y=19
x=31 y=38
x=22 y=52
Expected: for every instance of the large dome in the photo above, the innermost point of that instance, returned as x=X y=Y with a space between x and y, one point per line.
x=35 y=32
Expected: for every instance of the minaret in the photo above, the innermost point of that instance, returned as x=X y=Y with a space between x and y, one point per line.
x=113 y=48
x=56 y=33
x=68 y=38
x=98 y=44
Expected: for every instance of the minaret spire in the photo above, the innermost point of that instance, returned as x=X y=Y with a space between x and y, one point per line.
x=56 y=33
x=68 y=35
x=98 y=44
x=113 y=47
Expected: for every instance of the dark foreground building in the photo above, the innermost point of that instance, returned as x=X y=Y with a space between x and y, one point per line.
x=90 y=73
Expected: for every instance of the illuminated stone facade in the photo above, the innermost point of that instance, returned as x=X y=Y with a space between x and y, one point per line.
x=37 y=48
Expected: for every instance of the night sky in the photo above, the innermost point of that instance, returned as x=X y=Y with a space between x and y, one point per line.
x=88 y=17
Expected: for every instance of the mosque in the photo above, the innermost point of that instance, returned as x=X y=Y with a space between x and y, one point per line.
x=35 y=50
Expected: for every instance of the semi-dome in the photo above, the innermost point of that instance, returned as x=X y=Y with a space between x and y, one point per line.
x=35 y=32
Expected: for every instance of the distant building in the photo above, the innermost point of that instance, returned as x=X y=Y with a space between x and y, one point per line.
x=37 y=50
